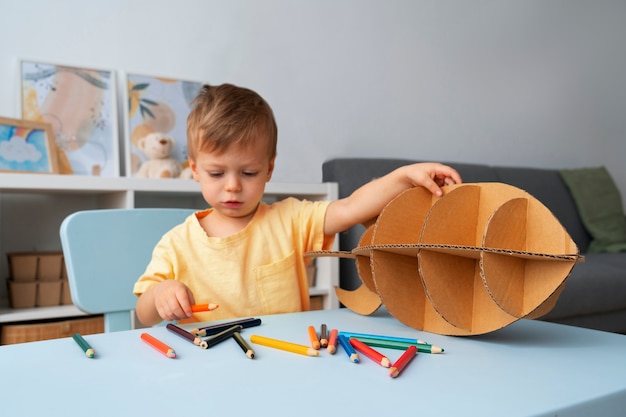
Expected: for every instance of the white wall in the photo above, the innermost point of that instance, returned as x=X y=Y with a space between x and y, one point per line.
x=512 y=82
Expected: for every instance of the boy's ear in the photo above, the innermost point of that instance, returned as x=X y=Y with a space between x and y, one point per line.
x=194 y=170
x=271 y=168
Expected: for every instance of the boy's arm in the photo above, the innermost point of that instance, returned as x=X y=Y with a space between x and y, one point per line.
x=368 y=201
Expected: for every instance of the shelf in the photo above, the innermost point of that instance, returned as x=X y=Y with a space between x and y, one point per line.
x=10 y=315
x=32 y=207
x=46 y=183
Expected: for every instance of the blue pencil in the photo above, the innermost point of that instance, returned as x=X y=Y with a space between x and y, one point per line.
x=345 y=344
x=380 y=337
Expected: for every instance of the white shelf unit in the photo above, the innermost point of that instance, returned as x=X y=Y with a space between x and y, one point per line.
x=32 y=207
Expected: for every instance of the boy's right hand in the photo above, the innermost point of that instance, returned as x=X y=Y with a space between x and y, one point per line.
x=173 y=300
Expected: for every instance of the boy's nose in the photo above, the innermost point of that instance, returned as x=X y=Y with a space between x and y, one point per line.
x=233 y=183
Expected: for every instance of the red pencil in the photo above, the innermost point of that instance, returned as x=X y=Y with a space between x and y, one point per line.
x=158 y=345
x=402 y=361
x=332 y=342
x=315 y=342
x=369 y=352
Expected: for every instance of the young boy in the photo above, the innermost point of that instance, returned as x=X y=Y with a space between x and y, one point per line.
x=241 y=253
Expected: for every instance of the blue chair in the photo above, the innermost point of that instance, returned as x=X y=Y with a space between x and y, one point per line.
x=106 y=251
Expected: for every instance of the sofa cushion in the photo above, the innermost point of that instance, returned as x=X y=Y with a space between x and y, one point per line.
x=595 y=286
x=547 y=186
x=600 y=205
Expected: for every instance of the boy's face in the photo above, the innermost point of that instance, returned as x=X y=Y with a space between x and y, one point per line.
x=233 y=181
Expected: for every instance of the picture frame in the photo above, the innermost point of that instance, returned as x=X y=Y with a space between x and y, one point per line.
x=80 y=104
x=27 y=146
x=158 y=106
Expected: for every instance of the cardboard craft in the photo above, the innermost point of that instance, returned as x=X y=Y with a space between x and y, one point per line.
x=477 y=259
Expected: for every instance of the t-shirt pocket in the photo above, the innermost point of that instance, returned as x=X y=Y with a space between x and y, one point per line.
x=277 y=285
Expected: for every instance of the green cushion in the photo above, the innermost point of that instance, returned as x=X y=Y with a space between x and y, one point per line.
x=600 y=205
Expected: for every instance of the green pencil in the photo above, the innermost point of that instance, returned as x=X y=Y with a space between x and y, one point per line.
x=89 y=352
x=394 y=344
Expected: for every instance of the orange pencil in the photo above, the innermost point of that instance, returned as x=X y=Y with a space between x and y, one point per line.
x=332 y=342
x=370 y=353
x=199 y=308
x=315 y=342
x=402 y=361
x=158 y=345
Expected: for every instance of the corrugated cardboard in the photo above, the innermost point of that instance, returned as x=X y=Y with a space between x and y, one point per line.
x=470 y=262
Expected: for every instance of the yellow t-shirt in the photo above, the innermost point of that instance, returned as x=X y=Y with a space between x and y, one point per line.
x=259 y=270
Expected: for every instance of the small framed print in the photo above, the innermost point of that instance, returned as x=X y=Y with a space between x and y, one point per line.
x=81 y=106
x=27 y=146
x=156 y=108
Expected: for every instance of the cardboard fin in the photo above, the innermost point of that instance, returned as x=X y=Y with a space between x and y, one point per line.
x=361 y=301
x=455 y=288
x=363 y=266
x=520 y=285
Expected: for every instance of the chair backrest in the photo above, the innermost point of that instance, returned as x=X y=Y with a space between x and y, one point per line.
x=106 y=251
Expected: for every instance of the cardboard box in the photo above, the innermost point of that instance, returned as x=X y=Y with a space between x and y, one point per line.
x=317 y=302
x=50 y=266
x=22 y=294
x=477 y=259
x=49 y=293
x=37 y=279
x=66 y=296
x=311 y=270
x=36 y=266
x=22 y=266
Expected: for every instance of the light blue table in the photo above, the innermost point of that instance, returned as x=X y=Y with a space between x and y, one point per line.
x=530 y=368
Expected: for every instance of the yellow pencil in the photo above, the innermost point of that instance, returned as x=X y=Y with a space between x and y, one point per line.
x=282 y=345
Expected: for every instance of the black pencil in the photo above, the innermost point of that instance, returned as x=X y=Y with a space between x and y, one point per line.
x=223 y=335
x=243 y=345
x=216 y=328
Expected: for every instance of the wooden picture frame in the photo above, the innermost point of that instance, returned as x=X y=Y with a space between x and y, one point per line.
x=81 y=106
x=156 y=105
x=27 y=146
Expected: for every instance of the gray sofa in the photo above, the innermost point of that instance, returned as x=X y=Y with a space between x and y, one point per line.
x=595 y=292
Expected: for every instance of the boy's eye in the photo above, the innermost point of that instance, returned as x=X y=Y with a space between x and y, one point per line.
x=215 y=174
x=250 y=173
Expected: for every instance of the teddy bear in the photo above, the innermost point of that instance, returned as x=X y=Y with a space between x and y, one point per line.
x=158 y=147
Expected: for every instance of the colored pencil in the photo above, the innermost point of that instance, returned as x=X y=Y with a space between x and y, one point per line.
x=223 y=335
x=381 y=337
x=89 y=352
x=243 y=345
x=282 y=345
x=402 y=361
x=373 y=354
x=323 y=336
x=315 y=342
x=391 y=344
x=158 y=345
x=216 y=328
x=345 y=344
x=186 y=335
x=199 y=308
x=332 y=342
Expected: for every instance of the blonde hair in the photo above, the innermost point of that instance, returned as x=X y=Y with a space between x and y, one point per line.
x=227 y=115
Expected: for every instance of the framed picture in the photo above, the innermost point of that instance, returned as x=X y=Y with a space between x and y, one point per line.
x=81 y=106
x=27 y=146
x=156 y=111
